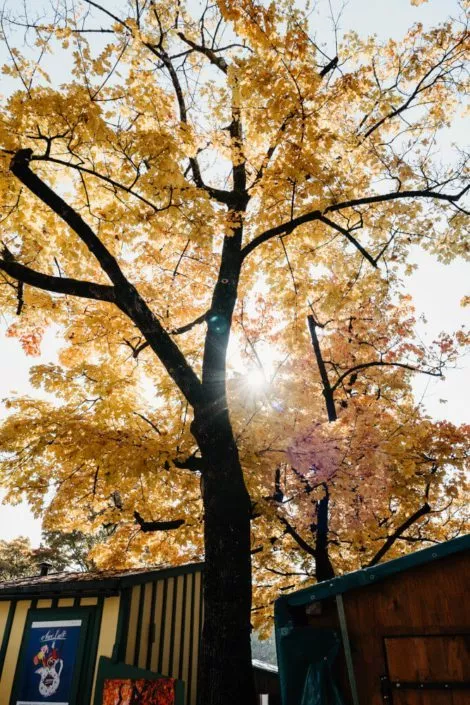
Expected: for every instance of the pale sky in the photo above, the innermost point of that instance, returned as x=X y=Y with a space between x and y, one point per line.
x=436 y=289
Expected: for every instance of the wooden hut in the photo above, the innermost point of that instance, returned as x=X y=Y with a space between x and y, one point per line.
x=150 y=619
x=397 y=633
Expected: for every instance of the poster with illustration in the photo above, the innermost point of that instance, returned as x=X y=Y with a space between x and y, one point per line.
x=48 y=662
x=129 y=691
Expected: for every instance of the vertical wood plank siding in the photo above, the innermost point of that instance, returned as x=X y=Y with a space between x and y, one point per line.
x=165 y=628
x=7 y=612
x=43 y=604
x=109 y=621
x=12 y=650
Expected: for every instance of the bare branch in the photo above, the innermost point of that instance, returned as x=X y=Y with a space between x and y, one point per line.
x=349 y=237
x=58 y=285
x=19 y=166
x=398 y=195
x=290 y=225
x=327 y=389
x=150 y=526
x=218 y=61
x=382 y=363
x=422 y=511
x=329 y=67
x=289 y=529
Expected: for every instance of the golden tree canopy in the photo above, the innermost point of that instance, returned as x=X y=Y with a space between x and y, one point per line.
x=177 y=130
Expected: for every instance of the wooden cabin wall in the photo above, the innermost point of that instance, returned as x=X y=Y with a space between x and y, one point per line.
x=165 y=620
x=429 y=600
x=13 y=614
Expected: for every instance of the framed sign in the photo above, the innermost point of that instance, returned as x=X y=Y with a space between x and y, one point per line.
x=51 y=658
x=120 y=684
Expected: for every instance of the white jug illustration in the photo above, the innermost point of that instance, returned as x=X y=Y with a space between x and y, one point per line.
x=50 y=678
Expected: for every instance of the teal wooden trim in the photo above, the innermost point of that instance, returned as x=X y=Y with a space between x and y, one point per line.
x=6 y=635
x=151 y=632
x=88 y=668
x=173 y=626
x=147 y=577
x=119 y=649
x=106 y=585
x=138 y=632
x=191 y=636
x=161 y=645
x=184 y=617
x=369 y=576
x=51 y=591
x=347 y=649
x=83 y=613
x=108 y=669
x=199 y=635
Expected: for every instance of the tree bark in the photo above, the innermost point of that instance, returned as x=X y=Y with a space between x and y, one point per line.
x=225 y=668
x=323 y=566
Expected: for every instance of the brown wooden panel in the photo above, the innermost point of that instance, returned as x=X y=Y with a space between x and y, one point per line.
x=429 y=658
x=430 y=599
x=430 y=698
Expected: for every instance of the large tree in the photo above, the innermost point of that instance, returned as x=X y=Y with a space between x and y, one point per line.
x=188 y=180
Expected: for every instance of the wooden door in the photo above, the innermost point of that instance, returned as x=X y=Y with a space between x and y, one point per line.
x=428 y=670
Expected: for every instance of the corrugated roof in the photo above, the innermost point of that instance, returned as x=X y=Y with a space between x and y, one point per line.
x=368 y=576
x=92 y=580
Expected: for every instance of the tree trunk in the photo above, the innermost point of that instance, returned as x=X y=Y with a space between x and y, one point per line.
x=323 y=567
x=225 y=669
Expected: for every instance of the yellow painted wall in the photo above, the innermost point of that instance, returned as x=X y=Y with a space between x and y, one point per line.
x=88 y=601
x=13 y=649
x=109 y=621
x=106 y=638
x=173 y=606
x=65 y=602
x=4 y=610
x=164 y=637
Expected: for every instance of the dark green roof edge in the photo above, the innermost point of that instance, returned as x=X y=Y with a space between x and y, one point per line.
x=108 y=584
x=159 y=574
x=369 y=576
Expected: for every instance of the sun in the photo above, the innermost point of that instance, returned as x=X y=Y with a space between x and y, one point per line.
x=256 y=379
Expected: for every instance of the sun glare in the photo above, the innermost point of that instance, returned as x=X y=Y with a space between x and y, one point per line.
x=256 y=379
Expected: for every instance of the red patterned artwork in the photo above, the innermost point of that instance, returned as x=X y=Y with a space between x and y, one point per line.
x=126 y=691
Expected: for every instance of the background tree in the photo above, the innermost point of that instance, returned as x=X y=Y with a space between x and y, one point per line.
x=17 y=559
x=146 y=214
x=64 y=551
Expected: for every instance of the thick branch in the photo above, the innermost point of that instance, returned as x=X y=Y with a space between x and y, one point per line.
x=19 y=166
x=323 y=566
x=58 y=285
x=115 y=184
x=290 y=225
x=349 y=237
x=282 y=229
x=397 y=195
x=422 y=511
x=126 y=295
x=137 y=349
x=327 y=389
x=329 y=67
x=149 y=526
x=381 y=363
x=297 y=537
x=218 y=61
x=193 y=464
